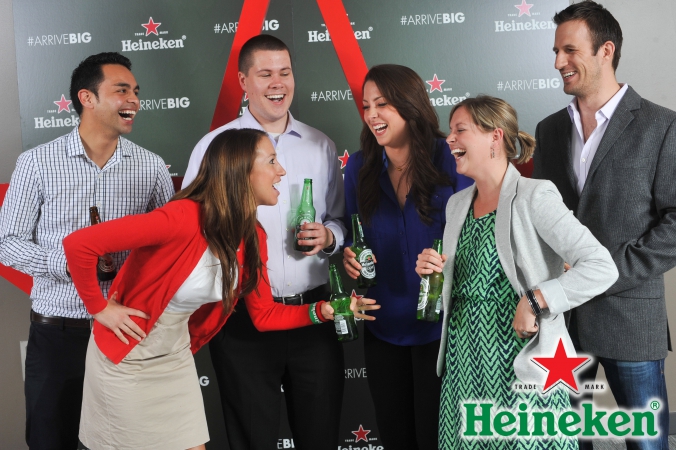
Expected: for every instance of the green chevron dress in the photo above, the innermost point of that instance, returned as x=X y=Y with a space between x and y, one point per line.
x=482 y=345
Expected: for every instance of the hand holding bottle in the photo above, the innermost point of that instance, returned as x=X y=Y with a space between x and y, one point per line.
x=429 y=261
x=352 y=267
x=357 y=305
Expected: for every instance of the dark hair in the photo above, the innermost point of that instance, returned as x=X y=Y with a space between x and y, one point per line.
x=601 y=24
x=406 y=92
x=262 y=42
x=228 y=214
x=89 y=75
x=490 y=113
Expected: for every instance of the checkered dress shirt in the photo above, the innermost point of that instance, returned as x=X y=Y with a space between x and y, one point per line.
x=49 y=197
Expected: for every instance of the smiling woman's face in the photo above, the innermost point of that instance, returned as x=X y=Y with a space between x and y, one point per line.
x=266 y=172
x=470 y=146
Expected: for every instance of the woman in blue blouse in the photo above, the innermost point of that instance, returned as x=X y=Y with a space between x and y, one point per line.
x=399 y=184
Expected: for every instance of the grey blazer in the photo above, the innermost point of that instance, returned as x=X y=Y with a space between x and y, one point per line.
x=629 y=203
x=534 y=234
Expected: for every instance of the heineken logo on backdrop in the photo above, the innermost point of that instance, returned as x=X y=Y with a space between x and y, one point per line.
x=521 y=23
x=483 y=420
x=324 y=36
x=443 y=100
x=361 y=440
x=152 y=28
x=63 y=105
x=432 y=19
x=343 y=162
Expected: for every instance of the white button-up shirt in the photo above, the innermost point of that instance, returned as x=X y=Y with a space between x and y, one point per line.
x=583 y=152
x=304 y=152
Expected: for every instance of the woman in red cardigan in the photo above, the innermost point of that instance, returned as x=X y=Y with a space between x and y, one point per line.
x=190 y=262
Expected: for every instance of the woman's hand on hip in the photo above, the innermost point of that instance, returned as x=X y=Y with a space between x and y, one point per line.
x=524 y=322
x=429 y=261
x=116 y=317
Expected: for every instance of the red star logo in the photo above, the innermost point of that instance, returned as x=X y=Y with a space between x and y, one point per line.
x=560 y=368
x=524 y=8
x=151 y=27
x=354 y=293
x=343 y=159
x=63 y=104
x=361 y=434
x=435 y=84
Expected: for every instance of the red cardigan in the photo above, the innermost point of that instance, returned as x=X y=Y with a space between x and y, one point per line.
x=166 y=245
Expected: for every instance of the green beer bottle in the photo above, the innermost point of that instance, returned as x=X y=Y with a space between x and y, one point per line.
x=105 y=269
x=367 y=275
x=305 y=214
x=429 y=300
x=343 y=317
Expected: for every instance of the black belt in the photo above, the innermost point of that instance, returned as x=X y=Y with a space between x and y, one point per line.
x=311 y=296
x=61 y=321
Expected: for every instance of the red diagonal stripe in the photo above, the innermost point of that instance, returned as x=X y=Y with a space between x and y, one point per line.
x=230 y=98
x=346 y=45
x=18 y=279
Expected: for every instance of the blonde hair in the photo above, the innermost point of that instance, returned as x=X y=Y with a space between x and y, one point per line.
x=490 y=113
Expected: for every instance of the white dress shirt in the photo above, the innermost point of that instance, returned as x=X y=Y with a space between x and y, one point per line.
x=583 y=152
x=304 y=152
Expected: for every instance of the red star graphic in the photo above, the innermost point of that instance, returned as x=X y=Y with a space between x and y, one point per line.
x=343 y=159
x=354 y=293
x=524 y=8
x=560 y=368
x=435 y=84
x=151 y=27
x=361 y=434
x=63 y=104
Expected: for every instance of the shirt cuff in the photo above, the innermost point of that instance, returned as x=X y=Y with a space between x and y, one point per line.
x=56 y=264
x=336 y=243
x=556 y=298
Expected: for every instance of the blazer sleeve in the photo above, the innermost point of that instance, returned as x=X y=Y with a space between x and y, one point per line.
x=654 y=253
x=84 y=246
x=592 y=268
x=266 y=314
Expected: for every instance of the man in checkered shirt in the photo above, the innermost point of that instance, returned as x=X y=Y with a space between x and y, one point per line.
x=50 y=193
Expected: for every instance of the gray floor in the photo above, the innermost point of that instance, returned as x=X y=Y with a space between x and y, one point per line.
x=618 y=445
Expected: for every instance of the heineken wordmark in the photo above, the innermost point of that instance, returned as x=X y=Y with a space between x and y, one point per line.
x=305 y=214
x=343 y=317
x=367 y=274
x=429 y=299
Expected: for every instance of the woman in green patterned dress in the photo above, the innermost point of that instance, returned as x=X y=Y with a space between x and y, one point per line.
x=507 y=237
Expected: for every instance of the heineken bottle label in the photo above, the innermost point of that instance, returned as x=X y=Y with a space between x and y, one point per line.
x=304 y=218
x=368 y=267
x=437 y=308
x=341 y=324
x=424 y=292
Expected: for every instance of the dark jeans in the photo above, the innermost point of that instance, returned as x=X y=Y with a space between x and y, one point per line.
x=55 y=366
x=406 y=392
x=634 y=384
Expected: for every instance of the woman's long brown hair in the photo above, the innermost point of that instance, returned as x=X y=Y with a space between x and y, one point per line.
x=405 y=91
x=228 y=214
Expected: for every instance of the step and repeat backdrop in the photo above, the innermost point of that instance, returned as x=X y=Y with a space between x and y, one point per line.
x=180 y=49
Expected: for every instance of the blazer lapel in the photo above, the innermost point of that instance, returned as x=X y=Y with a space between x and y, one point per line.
x=503 y=225
x=564 y=130
x=621 y=118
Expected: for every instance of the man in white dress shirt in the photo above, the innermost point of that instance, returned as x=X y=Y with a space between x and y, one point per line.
x=252 y=366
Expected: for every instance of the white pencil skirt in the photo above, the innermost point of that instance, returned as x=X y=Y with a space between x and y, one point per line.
x=151 y=399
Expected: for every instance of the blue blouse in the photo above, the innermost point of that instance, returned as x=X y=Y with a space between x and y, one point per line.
x=396 y=237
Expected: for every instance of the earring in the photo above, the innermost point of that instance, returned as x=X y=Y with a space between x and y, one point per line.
x=492 y=153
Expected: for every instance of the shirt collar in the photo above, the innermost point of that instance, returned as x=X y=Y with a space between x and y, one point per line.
x=74 y=145
x=249 y=121
x=606 y=110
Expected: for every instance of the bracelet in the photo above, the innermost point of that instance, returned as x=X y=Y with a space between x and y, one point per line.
x=533 y=302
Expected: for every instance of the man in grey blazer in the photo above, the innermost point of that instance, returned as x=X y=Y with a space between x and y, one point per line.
x=612 y=156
